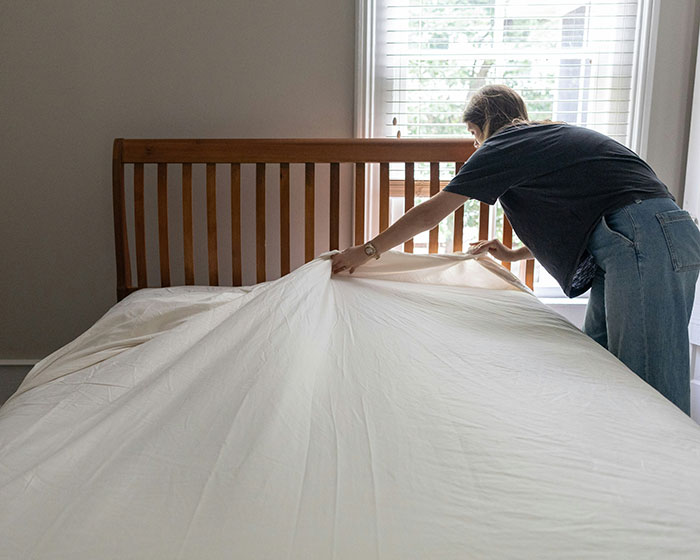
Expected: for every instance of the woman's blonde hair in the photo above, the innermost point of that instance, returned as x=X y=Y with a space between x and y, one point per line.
x=496 y=106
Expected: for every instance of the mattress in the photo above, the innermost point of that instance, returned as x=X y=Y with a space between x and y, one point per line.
x=427 y=406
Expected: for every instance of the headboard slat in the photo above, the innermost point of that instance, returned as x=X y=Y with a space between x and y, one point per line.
x=383 y=196
x=334 y=242
x=359 y=203
x=483 y=220
x=458 y=228
x=212 y=249
x=434 y=189
x=260 y=221
x=409 y=197
x=188 y=244
x=529 y=275
x=163 y=224
x=309 y=221
x=285 y=220
x=236 y=263
x=140 y=227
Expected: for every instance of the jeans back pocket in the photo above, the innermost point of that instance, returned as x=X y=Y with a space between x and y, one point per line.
x=683 y=239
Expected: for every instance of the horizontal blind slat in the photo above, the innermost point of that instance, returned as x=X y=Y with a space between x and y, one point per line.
x=491 y=53
x=461 y=126
x=453 y=78
x=500 y=66
x=426 y=90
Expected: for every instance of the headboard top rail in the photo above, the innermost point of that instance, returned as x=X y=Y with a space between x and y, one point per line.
x=294 y=150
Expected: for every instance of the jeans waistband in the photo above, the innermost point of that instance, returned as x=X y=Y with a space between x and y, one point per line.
x=653 y=203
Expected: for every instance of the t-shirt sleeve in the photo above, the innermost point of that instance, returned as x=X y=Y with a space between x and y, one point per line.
x=487 y=174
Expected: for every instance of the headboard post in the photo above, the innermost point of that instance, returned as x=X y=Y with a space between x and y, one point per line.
x=119 y=206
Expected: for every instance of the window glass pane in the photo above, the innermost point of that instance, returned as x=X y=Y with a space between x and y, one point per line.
x=570 y=61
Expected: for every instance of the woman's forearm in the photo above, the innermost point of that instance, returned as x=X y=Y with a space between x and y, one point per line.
x=523 y=253
x=406 y=227
x=416 y=221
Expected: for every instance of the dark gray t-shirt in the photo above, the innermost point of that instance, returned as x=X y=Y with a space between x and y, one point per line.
x=555 y=182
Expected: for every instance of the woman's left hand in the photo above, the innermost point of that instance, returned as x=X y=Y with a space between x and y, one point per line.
x=494 y=247
x=350 y=259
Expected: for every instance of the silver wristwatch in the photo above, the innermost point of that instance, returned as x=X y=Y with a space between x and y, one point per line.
x=371 y=250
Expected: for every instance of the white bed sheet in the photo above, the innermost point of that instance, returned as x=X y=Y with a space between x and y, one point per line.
x=424 y=407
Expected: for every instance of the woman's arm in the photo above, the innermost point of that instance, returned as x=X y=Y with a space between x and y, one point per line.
x=419 y=218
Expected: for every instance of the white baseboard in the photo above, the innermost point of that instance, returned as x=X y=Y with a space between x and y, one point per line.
x=18 y=362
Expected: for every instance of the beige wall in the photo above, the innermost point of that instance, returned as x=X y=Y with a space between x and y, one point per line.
x=76 y=74
x=672 y=93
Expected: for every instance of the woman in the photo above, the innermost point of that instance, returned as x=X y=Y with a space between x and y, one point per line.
x=594 y=214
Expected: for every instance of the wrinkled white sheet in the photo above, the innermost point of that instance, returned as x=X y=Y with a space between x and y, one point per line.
x=424 y=407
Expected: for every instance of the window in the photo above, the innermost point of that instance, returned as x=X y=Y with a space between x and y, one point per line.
x=571 y=60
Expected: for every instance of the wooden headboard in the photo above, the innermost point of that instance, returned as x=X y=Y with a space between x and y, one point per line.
x=259 y=152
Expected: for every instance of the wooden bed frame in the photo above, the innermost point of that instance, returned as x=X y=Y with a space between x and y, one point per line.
x=308 y=152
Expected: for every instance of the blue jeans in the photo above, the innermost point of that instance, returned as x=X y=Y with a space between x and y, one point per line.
x=647 y=256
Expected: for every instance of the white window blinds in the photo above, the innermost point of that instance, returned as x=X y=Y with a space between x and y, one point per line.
x=570 y=60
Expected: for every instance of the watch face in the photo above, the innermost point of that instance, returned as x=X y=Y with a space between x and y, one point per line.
x=369 y=250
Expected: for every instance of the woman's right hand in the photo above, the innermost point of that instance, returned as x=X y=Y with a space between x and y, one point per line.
x=349 y=259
